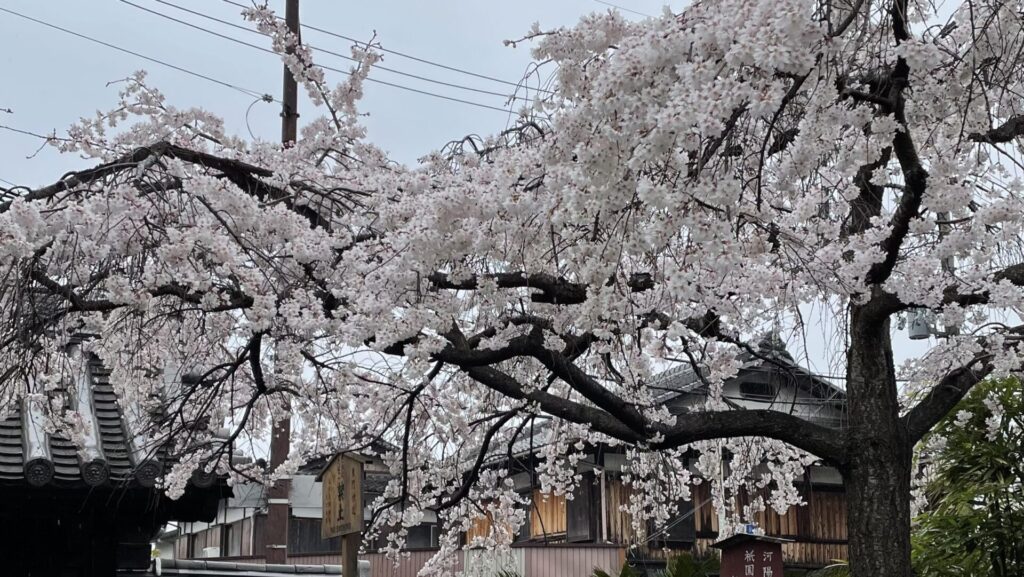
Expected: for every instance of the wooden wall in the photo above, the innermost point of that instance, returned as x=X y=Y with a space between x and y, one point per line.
x=818 y=528
x=571 y=561
x=381 y=566
x=547 y=516
x=483 y=563
x=620 y=529
x=481 y=528
x=538 y=561
x=247 y=544
x=547 y=519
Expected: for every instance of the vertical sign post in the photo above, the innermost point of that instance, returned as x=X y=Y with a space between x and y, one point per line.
x=342 y=487
x=746 y=555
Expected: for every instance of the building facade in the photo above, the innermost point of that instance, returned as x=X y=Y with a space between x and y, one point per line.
x=570 y=537
x=78 y=510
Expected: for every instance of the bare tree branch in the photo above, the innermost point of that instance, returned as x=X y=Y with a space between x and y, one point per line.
x=553 y=290
x=1005 y=132
x=944 y=396
x=823 y=442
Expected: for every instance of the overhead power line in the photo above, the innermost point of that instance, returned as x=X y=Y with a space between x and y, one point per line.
x=246 y=91
x=338 y=70
x=623 y=9
x=326 y=51
x=405 y=55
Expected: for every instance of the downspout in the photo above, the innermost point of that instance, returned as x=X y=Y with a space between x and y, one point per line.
x=252 y=532
x=604 y=509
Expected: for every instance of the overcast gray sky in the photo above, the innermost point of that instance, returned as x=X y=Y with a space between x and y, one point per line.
x=51 y=78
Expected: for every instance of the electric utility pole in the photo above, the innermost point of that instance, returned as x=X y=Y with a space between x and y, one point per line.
x=278 y=505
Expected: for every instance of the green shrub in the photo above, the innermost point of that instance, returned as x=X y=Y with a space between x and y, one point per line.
x=626 y=571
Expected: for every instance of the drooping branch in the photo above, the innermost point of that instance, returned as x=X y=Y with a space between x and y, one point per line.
x=247 y=177
x=244 y=175
x=474 y=472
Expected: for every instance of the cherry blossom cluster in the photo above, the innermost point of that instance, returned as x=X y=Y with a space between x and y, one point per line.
x=694 y=180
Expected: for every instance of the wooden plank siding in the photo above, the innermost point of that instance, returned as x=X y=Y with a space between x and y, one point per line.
x=571 y=561
x=381 y=566
x=246 y=527
x=480 y=528
x=547 y=515
x=483 y=563
x=620 y=529
x=818 y=528
x=539 y=561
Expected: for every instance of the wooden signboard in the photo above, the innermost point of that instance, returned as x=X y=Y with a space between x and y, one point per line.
x=342 y=486
x=751 y=556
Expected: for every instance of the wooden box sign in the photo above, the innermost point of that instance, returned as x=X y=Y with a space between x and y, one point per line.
x=342 y=486
x=746 y=555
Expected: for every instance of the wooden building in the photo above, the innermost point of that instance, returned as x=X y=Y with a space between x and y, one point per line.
x=770 y=380
x=570 y=537
x=817 y=529
x=87 y=510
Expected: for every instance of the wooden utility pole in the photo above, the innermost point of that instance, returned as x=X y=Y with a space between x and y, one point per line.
x=278 y=505
x=290 y=92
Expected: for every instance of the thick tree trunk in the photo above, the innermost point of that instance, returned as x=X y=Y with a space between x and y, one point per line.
x=877 y=472
x=878 y=513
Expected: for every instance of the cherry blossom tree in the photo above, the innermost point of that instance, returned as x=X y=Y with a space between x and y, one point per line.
x=687 y=182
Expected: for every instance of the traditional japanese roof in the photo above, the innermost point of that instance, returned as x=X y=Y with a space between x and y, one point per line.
x=674 y=382
x=108 y=455
x=773 y=348
x=772 y=356
x=742 y=538
x=682 y=379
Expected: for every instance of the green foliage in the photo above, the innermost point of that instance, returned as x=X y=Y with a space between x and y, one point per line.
x=626 y=571
x=975 y=515
x=837 y=570
x=686 y=565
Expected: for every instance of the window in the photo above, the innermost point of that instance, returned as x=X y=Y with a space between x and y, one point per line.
x=225 y=539
x=758 y=390
x=193 y=543
x=524 y=529
x=581 y=512
x=678 y=531
x=231 y=540
x=304 y=537
x=422 y=536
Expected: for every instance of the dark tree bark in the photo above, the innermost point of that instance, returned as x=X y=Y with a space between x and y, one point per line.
x=878 y=469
